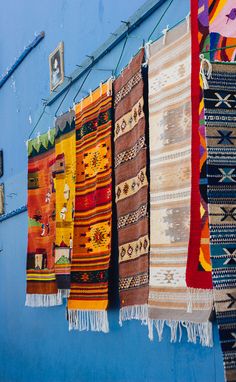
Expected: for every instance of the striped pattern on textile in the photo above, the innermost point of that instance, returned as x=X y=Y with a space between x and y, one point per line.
x=198 y=272
x=222 y=28
x=220 y=119
x=201 y=269
x=88 y=298
x=170 y=301
x=64 y=173
x=41 y=280
x=131 y=191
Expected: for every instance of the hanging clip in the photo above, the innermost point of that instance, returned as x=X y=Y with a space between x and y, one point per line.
x=91 y=95
x=100 y=88
x=146 y=53
x=188 y=22
x=49 y=133
x=208 y=75
x=38 y=138
x=109 y=86
x=165 y=34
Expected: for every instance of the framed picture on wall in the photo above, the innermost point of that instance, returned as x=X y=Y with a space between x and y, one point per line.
x=1 y=163
x=1 y=199
x=56 y=66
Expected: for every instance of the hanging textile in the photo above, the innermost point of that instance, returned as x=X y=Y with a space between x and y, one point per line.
x=41 y=280
x=131 y=189
x=222 y=17
x=88 y=298
x=198 y=272
x=64 y=174
x=220 y=120
x=170 y=301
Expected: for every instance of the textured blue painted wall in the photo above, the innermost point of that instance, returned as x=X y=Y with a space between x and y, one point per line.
x=35 y=344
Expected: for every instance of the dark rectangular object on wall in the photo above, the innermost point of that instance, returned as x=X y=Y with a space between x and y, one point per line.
x=2 y=199
x=1 y=163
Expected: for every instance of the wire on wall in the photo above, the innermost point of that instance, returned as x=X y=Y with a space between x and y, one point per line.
x=121 y=54
x=160 y=19
x=85 y=78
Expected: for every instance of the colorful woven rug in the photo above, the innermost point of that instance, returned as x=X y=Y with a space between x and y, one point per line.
x=222 y=17
x=64 y=174
x=201 y=269
x=198 y=272
x=41 y=280
x=131 y=191
x=220 y=119
x=88 y=298
x=170 y=121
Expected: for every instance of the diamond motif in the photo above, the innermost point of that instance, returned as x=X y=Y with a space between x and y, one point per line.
x=118 y=192
x=123 y=252
x=130 y=250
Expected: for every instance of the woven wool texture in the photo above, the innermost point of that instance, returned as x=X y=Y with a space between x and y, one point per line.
x=198 y=272
x=88 y=298
x=220 y=119
x=131 y=190
x=222 y=28
x=64 y=174
x=222 y=17
x=201 y=270
x=170 y=120
x=41 y=280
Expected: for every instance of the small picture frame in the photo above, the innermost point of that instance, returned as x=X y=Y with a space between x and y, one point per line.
x=1 y=199
x=1 y=163
x=56 y=66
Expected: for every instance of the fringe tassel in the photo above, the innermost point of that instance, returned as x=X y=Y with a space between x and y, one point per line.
x=94 y=320
x=43 y=300
x=203 y=331
x=64 y=292
x=198 y=297
x=208 y=75
x=134 y=312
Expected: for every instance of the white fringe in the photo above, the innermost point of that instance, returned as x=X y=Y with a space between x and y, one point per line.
x=134 y=312
x=203 y=331
x=94 y=320
x=64 y=293
x=43 y=300
x=199 y=299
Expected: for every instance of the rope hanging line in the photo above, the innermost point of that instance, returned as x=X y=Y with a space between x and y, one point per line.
x=63 y=99
x=121 y=54
x=217 y=49
x=160 y=19
x=90 y=68
x=39 y=119
x=85 y=78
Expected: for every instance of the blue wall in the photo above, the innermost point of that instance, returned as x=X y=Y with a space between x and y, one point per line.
x=35 y=345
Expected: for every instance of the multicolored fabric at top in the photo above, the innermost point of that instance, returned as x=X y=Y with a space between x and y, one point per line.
x=64 y=174
x=220 y=119
x=88 y=298
x=131 y=190
x=170 y=121
x=41 y=280
x=222 y=28
x=222 y=17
